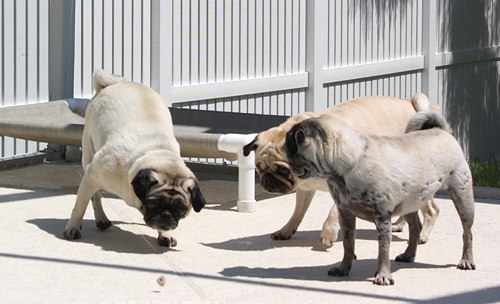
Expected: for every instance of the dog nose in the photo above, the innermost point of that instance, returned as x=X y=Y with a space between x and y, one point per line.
x=167 y=219
x=272 y=184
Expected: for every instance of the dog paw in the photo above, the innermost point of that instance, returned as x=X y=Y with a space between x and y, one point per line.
x=338 y=271
x=169 y=241
x=72 y=234
x=328 y=237
x=466 y=265
x=383 y=279
x=103 y=224
x=406 y=258
x=397 y=228
x=283 y=234
x=423 y=239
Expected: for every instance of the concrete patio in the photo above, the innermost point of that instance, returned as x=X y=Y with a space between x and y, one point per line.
x=223 y=256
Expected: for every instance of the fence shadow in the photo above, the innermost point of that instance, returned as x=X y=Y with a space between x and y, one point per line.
x=472 y=90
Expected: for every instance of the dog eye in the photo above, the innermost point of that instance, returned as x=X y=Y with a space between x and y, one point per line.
x=283 y=171
x=152 y=203
x=180 y=206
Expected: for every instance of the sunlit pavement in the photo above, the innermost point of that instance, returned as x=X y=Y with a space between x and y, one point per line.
x=223 y=256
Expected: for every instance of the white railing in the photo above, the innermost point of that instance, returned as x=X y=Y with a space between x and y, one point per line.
x=278 y=57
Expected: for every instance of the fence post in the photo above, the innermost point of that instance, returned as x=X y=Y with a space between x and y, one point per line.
x=62 y=59
x=316 y=47
x=429 y=50
x=61 y=49
x=161 y=49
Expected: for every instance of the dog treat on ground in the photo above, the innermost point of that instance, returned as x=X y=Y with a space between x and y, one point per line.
x=161 y=280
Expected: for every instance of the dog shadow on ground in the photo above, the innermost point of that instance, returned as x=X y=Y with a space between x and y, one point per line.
x=112 y=239
x=299 y=239
x=362 y=270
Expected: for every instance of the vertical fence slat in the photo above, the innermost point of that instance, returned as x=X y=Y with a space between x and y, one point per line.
x=211 y=41
x=235 y=38
x=202 y=42
x=194 y=40
x=136 y=53
x=251 y=39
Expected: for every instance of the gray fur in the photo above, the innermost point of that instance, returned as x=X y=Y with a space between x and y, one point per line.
x=378 y=177
x=427 y=119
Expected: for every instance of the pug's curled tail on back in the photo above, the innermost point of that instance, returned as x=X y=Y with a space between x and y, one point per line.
x=102 y=79
x=427 y=119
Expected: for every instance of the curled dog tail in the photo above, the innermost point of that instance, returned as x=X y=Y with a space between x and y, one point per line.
x=427 y=119
x=102 y=79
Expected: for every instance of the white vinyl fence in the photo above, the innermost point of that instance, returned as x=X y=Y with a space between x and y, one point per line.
x=278 y=57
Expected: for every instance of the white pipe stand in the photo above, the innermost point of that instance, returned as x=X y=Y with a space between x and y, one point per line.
x=234 y=143
x=246 y=182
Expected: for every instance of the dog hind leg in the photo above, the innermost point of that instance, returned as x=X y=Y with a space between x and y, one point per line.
x=101 y=220
x=415 y=227
x=430 y=212
x=460 y=190
x=399 y=224
x=330 y=230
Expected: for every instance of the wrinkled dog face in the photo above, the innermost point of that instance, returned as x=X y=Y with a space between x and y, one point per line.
x=305 y=148
x=165 y=201
x=271 y=164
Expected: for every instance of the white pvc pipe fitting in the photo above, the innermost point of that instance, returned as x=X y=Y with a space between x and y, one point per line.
x=77 y=105
x=234 y=143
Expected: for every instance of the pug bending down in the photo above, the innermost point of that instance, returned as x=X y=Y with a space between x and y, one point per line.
x=377 y=177
x=129 y=149
x=370 y=115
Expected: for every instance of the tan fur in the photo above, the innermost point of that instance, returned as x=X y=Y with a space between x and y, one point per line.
x=371 y=115
x=128 y=129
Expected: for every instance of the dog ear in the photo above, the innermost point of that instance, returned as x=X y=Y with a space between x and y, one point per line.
x=250 y=147
x=294 y=138
x=197 y=199
x=142 y=182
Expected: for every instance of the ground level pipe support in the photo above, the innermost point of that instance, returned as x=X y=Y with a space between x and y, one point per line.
x=234 y=143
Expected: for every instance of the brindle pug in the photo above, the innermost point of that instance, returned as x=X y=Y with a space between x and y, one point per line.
x=377 y=177
x=129 y=149
x=370 y=115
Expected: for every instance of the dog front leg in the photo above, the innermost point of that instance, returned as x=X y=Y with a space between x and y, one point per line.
x=85 y=193
x=383 y=274
x=348 y=226
x=166 y=239
x=303 y=199
x=415 y=227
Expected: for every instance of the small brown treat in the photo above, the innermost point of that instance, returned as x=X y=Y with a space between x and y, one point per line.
x=161 y=280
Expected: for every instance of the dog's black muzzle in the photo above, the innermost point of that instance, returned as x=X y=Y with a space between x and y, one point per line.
x=163 y=221
x=273 y=185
